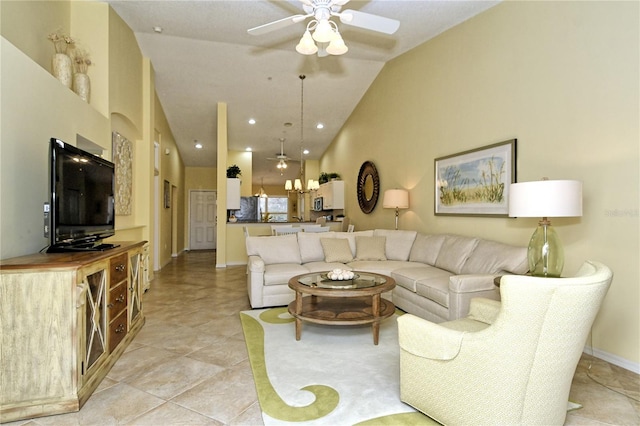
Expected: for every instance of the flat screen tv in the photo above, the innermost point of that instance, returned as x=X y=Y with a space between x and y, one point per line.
x=82 y=188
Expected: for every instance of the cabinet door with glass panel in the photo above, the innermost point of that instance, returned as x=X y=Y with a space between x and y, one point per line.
x=92 y=317
x=136 y=284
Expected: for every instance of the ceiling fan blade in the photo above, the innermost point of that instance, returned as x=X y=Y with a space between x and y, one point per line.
x=369 y=21
x=276 y=25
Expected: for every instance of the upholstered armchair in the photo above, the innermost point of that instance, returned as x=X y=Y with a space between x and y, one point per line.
x=508 y=362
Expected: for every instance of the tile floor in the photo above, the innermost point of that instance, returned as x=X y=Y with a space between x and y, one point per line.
x=188 y=365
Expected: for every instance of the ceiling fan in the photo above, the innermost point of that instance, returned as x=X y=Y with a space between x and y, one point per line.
x=281 y=158
x=325 y=31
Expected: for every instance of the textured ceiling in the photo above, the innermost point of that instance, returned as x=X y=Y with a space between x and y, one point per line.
x=204 y=56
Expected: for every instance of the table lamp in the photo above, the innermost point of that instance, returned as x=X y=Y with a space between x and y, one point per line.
x=545 y=198
x=396 y=199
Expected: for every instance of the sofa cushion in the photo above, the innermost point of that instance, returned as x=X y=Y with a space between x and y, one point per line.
x=425 y=248
x=370 y=248
x=435 y=287
x=454 y=252
x=280 y=273
x=398 y=244
x=310 y=247
x=492 y=257
x=273 y=250
x=324 y=266
x=336 y=250
x=351 y=237
x=408 y=276
x=385 y=267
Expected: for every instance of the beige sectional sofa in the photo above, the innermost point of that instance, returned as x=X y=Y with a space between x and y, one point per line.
x=436 y=274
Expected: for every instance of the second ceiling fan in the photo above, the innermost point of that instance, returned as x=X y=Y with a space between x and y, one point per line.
x=325 y=31
x=282 y=158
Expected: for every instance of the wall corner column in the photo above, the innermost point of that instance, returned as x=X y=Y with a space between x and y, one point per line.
x=221 y=204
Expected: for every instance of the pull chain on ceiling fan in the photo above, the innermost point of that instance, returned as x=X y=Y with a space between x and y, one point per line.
x=325 y=31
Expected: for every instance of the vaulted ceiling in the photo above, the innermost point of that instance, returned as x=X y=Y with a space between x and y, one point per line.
x=204 y=55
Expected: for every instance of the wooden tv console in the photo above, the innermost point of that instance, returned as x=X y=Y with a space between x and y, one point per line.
x=65 y=319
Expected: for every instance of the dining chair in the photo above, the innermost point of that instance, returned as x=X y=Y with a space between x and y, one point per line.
x=286 y=230
x=318 y=229
x=274 y=227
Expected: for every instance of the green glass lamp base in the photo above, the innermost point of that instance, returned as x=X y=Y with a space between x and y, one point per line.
x=545 y=252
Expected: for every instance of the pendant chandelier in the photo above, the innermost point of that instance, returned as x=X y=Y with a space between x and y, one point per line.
x=297 y=185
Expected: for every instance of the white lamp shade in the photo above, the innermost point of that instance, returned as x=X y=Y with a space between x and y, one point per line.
x=396 y=198
x=306 y=45
x=323 y=32
x=546 y=198
x=337 y=47
x=297 y=185
x=287 y=185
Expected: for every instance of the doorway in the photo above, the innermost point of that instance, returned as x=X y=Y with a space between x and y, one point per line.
x=202 y=220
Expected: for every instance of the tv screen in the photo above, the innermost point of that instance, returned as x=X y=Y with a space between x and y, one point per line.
x=82 y=198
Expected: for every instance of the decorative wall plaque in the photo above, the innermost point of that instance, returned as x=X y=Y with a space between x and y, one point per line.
x=123 y=159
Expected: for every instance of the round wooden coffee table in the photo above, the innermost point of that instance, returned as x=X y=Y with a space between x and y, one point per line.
x=351 y=302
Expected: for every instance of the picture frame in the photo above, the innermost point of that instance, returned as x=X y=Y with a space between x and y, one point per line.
x=167 y=194
x=476 y=182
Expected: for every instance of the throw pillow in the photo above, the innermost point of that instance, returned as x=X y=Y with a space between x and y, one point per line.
x=370 y=248
x=274 y=250
x=336 y=250
x=399 y=243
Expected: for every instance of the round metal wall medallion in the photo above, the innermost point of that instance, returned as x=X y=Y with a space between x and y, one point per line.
x=368 y=187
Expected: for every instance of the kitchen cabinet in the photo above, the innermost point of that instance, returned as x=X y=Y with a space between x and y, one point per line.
x=332 y=194
x=233 y=194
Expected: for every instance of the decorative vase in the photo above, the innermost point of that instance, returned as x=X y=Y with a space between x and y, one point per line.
x=62 y=69
x=82 y=86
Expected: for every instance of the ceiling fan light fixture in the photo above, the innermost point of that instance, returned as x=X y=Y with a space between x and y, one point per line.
x=306 y=46
x=324 y=32
x=337 y=46
x=322 y=50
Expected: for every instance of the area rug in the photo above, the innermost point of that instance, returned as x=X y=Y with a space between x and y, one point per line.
x=333 y=375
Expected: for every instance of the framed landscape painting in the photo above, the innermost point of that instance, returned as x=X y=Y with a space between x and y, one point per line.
x=476 y=182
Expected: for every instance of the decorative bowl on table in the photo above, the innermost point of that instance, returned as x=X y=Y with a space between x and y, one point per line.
x=340 y=275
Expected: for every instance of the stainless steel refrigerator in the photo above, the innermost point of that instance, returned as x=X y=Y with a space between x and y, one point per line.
x=249 y=210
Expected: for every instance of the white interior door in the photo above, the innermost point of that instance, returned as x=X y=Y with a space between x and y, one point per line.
x=202 y=220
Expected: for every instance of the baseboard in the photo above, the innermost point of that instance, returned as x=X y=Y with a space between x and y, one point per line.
x=613 y=359
x=239 y=263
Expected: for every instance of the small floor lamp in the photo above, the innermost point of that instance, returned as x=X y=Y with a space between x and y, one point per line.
x=396 y=199
x=545 y=198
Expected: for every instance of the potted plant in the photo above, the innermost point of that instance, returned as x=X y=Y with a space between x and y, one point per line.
x=233 y=171
x=326 y=177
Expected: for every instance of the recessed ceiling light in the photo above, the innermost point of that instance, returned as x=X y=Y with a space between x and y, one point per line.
x=248 y=149
x=305 y=152
x=319 y=126
x=252 y=121
x=157 y=29
x=288 y=124
x=198 y=145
